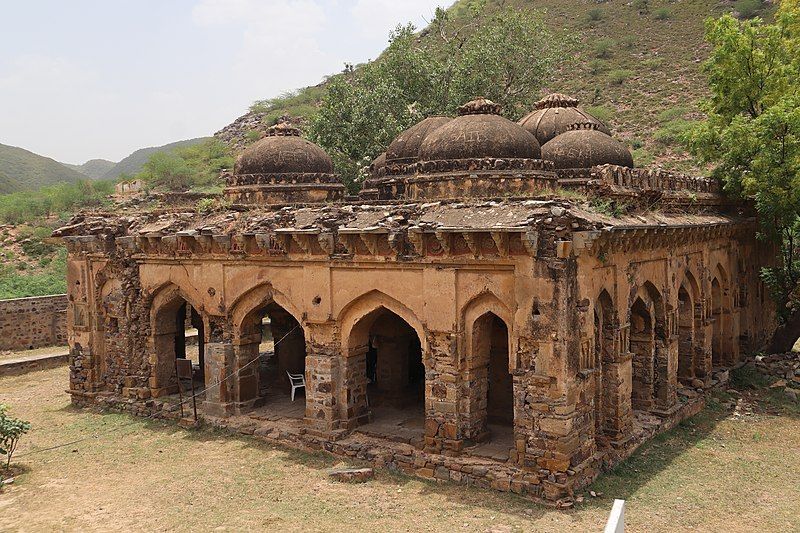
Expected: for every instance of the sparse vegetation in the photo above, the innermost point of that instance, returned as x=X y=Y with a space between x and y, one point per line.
x=190 y=167
x=594 y=15
x=601 y=112
x=743 y=459
x=662 y=13
x=619 y=76
x=603 y=48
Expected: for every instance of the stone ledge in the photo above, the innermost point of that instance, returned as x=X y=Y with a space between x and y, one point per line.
x=23 y=365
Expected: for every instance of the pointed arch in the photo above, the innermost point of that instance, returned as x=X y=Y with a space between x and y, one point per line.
x=257 y=298
x=358 y=308
x=485 y=302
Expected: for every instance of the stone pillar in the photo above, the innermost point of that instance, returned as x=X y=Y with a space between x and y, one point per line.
x=443 y=429
x=617 y=384
x=666 y=360
x=220 y=384
x=704 y=337
x=323 y=377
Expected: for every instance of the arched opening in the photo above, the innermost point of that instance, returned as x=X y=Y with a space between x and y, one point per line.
x=177 y=333
x=716 y=321
x=606 y=389
x=386 y=375
x=271 y=345
x=642 y=341
x=685 y=336
x=490 y=347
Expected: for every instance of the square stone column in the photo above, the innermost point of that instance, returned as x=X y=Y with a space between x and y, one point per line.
x=327 y=397
x=220 y=368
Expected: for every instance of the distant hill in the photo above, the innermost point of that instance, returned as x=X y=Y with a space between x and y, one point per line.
x=22 y=170
x=134 y=162
x=94 y=168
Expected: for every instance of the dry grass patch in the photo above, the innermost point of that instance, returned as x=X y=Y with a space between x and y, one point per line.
x=719 y=471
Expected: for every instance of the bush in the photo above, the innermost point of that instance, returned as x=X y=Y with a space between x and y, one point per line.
x=603 y=48
x=662 y=13
x=747 y=9
x=11 y=429
x=619 y=76
x=642 y=6
x=673 y=132
x=594 y=15
x=596 y=66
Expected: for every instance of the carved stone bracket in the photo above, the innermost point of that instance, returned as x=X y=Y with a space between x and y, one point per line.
x=445 y=241
x=500 y=239
x=417 y=241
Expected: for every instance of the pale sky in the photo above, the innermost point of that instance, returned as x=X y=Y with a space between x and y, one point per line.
x=85 y=79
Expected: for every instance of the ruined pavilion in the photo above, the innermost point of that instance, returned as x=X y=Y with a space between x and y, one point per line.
x=506 y=305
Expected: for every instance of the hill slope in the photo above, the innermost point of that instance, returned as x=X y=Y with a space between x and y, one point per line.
x=94 y=168
x=636 y=65
x=134 y=162
x=22 y=170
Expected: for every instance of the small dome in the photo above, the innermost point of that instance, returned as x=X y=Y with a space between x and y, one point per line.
x=584 y=146
x=378 y=164
x=554 y=114
x=479 y=132
x=405 y=148
x=283 y=151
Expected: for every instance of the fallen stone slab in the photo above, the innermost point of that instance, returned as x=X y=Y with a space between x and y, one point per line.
x=352 y=475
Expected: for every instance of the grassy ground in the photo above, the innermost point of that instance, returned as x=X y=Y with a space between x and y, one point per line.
x=728 y=469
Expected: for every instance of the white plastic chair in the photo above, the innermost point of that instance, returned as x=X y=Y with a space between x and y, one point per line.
x=298 y=381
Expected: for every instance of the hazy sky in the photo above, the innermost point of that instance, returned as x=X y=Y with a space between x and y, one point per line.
x=83 y=79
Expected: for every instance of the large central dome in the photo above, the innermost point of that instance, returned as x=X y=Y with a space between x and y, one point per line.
x=554 y=114
x=479 y=132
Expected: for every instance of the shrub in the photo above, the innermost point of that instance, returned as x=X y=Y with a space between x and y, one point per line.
x=747 y=9
x=642 y=157
x=205 y=205
x=594 y=15
x=662 y=13
x=596 y=66
x=11 y=429
x=643 y=6
x=673 y=132
x=619 y=76
x=603 y=48
x=629 y=42
x=652 y=63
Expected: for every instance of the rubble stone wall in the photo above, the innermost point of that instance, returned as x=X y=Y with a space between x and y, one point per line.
x=27 y=323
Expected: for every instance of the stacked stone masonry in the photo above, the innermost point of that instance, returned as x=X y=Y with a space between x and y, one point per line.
x=28 y=323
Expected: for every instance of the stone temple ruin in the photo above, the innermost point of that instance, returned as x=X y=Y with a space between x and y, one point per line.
x=505 y=305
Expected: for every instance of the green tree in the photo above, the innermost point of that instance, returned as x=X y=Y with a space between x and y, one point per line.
x=11 y=429
x=752 y=136
x=503 y=55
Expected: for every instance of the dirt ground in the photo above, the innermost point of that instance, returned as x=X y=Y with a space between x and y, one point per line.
x=734 y=467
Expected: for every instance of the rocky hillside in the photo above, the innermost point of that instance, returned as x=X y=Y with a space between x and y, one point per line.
x=22 y=170
x=636 y=65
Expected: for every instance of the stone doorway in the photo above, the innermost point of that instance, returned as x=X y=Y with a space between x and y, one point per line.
x=385 y=362
x=178 y=332
x=270 y=344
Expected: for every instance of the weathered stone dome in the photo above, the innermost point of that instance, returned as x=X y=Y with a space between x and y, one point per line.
x=554 y=114
x=283 y=151
x=405 y=148
x=479 y=132
x=283 y=168
x=584 y=146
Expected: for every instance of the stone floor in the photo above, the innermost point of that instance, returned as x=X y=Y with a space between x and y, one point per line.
x=398 y=425
x=498 y=446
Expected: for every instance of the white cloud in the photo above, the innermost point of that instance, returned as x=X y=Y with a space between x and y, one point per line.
x=280 y=47
x=377 y=17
